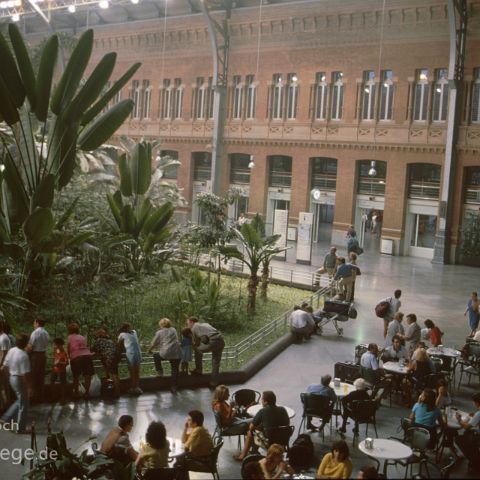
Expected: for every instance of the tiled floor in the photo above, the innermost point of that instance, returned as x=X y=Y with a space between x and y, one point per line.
x=431 y=291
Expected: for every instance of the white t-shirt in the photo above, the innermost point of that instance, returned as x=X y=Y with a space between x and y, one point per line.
x=39 y=340
x=17 y=361
x=130 y=340
x=4 y=342
x=299 y=319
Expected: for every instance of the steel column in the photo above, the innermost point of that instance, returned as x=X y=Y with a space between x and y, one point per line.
x=457 y=17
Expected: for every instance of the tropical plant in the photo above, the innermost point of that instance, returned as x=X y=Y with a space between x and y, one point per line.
x=139 y=226
x=470 y=238
x=258 y=250
x=45 y=127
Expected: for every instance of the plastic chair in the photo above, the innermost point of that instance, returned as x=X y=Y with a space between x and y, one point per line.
x=245 y=398
x=316 y=406
x=364 y=411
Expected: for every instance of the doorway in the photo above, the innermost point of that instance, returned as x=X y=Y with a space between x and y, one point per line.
x=322 y=222
x=239 y=205
x=276 y=204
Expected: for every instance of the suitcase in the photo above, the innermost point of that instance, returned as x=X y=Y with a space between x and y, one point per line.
x=336 y=306
x=347 y=371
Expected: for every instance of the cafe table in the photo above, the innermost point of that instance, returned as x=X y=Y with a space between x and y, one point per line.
x=449 y=352
x=395 y=367
x=385 y=449
x=343 y=389
x=254 y=409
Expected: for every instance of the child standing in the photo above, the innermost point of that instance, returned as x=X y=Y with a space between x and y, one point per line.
x=59 y=369
x=186 y=350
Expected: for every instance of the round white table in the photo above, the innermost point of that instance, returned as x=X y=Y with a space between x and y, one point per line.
x=395 y=367
x=385 y=449
x=343 y=390
x=254 y=409
x=452 y=421
x=444 y=352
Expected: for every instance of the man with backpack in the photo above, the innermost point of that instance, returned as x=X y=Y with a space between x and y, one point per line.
x=387 y=308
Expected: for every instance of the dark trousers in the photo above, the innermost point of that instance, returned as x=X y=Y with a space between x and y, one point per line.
x=38 y=363
x=174 y=364
x=216 y=347
x=469 y=447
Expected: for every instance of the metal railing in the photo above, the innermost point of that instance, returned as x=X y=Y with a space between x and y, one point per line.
x=472 y=194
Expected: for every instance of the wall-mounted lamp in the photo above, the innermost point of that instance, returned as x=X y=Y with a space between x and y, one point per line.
x=251 y=164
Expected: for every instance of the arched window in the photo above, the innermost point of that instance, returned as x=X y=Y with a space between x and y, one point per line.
x=324 y=173
x=424 y=181
x=280 y=169
x=239 y=171
x=440 y=96
x=372 y=176
x=202 y=166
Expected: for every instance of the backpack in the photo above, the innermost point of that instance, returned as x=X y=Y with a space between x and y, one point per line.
x=300 y=454
x=108 y=389
x=382 y=308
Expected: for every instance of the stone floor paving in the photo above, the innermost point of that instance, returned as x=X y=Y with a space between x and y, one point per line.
x=433 y=291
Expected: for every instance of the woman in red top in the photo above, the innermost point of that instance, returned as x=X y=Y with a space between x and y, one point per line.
x=435 y=333
x=220 y=405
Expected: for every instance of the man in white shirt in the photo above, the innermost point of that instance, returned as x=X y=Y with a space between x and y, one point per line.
x=395 y=305
x=17 y=364
x=301 y=324
x=396 y=351
x=37 y=347
x=4 y=342
x=395 y=327
x=369 y=364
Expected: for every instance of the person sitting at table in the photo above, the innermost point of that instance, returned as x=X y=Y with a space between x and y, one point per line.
x=469 y=441
x=426 y=414
x=369 y=363
x=394 y=352
x=337 y=463
x=360 y=393
x=197 y=442
x=324 y=389
x=220 y=404
x=154 y=453
x=434 y=333
x=270 y=416
x=394 y=327
x=273 y=465
x=418 y=369
x=117 y=443
x=443 y=397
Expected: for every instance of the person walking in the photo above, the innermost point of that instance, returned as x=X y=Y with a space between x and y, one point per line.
x=329 y=266
x=169 y=348
x=37 y=348
x=206 y=339
x=473 y=313
x=17 y=364
x=395 y=305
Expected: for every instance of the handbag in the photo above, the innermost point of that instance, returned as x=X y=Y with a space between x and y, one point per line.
x=382 y=308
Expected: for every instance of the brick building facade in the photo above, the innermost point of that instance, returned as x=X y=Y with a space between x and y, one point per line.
x=342 y=106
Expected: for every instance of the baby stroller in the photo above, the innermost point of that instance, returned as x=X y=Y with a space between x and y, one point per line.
x=334 y=311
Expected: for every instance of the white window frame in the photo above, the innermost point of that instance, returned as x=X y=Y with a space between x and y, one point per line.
x=321 y=96
x=200 y=100
x=387 y=92
x=136 y=97
x=277 y=97
x=292 y=96
x=440 y=97
x=369 y=90
x=251 y=97
x=178 y=100
x=147 y=99
x=337 y=96
x=421 y=99
x=237 y=97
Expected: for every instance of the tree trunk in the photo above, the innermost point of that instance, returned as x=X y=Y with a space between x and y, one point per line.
x=252 y=294
x=264 y=284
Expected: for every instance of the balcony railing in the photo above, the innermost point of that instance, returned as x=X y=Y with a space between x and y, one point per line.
x=280 y=179
x=472 y=194
x=241 y=176
x=371 y=186
x=425 y=190
x=324 y=181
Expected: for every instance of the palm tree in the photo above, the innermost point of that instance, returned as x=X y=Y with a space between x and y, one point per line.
x=258 y=250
